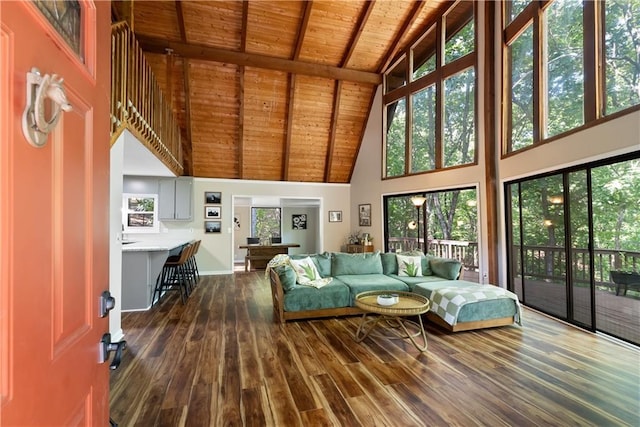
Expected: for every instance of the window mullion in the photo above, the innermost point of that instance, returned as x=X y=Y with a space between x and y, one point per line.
x=439 y=92
x=591 y=75
x=408 y=134
x=538 y=86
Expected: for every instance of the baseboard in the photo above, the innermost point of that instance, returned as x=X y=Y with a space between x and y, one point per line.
x=216 y=272
x=117 y=336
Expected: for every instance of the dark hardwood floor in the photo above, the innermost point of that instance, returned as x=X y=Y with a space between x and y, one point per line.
x=220 y=360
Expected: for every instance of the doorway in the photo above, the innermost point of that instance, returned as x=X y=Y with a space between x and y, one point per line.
x=568 y=233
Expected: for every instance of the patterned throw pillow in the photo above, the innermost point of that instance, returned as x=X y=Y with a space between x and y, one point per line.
x=307 y=273
x=409 y=265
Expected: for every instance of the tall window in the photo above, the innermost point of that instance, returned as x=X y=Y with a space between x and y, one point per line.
x=520 y=88
x=396 y=141
x=563 y=58
x=446 y=224
x=552 y=81
x=265 y=222
x=622 y=53
x=430 y=98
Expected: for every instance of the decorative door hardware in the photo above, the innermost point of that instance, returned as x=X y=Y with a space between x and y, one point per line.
x=106 y=347
x=107 y=303
x=35 y=126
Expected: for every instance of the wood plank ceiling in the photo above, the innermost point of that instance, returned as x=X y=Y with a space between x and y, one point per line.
x=273 y=90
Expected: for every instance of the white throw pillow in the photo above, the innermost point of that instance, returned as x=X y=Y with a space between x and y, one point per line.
x=305 y=269
x=409 y=265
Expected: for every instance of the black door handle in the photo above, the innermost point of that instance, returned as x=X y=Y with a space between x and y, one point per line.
x=108 y=346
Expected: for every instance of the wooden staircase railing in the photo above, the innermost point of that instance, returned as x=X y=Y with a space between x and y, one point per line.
x=138 y=104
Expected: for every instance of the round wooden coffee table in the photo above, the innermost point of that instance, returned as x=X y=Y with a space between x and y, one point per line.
x=409 y=304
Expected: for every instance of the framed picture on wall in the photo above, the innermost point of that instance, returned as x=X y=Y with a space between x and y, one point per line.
x=212 y=212
x=364 y=215
x=212 y=226
x=212 y=197
x=335 y=216
x=299 y=221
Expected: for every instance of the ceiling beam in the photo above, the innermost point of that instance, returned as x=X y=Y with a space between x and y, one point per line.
x=302 y=30
x=208 y=53
x=241 y=107
x=187 y=145
x=337 y=91
x=335 y=113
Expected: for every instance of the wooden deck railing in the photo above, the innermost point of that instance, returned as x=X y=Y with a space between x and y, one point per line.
x=138 y=104
x=466 y=252
x=549 y=262
x=540 y=262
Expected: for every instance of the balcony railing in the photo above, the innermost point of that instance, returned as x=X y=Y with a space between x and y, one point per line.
x=549 y=263
x=138 y=104
x=466 y=252
x=540 y=262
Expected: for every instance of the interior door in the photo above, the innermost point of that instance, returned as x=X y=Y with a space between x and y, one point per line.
x=54 y=220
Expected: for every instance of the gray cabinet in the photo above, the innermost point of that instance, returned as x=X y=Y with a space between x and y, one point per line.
x=175 y=199
x=139 y=273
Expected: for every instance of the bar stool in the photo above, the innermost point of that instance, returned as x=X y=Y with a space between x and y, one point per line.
x=175 y=275
x=193 y=264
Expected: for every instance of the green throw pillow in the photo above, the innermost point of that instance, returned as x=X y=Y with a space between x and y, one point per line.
x=389 y=263
x=287 y=276
x=323 y=263
x=446 y=268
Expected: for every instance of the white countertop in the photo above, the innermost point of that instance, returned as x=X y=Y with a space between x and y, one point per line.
x=134 y=245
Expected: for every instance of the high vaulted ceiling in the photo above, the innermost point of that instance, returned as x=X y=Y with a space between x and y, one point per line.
x=273 y=90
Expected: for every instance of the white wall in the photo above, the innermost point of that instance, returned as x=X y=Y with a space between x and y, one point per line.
x=115 y=235
x=216 y=254
x=309 y=239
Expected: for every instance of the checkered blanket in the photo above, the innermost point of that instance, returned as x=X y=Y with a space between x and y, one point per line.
x=447 y=302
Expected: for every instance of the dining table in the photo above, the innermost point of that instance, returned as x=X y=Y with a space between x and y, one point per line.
x=258 y=255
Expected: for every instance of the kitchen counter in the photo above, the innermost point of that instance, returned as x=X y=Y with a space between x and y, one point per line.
x=136 y=245
x=142 y=262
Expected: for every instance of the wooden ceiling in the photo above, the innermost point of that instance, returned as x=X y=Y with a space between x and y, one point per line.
x=273 y=90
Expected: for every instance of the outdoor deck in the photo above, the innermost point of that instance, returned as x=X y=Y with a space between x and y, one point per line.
x=615 y=315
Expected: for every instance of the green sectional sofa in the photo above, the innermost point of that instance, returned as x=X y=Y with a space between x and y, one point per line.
x=355 y=273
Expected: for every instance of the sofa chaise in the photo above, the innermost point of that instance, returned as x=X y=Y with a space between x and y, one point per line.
x=457 y=305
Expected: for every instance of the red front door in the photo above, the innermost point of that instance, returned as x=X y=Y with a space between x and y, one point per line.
x=54 y=233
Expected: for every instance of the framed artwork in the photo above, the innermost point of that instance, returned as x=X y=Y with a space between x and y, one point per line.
x=299 y=221
x=212 y=212
x=212 y=197
x=212 y=226
x=364 y=215
x=335 y=216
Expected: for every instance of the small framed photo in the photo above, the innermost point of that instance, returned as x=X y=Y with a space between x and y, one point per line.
x=212 y=226
x=335 y=216
x=212 y=197
x=212 y=212
x=299 y=221
x=364 y=215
